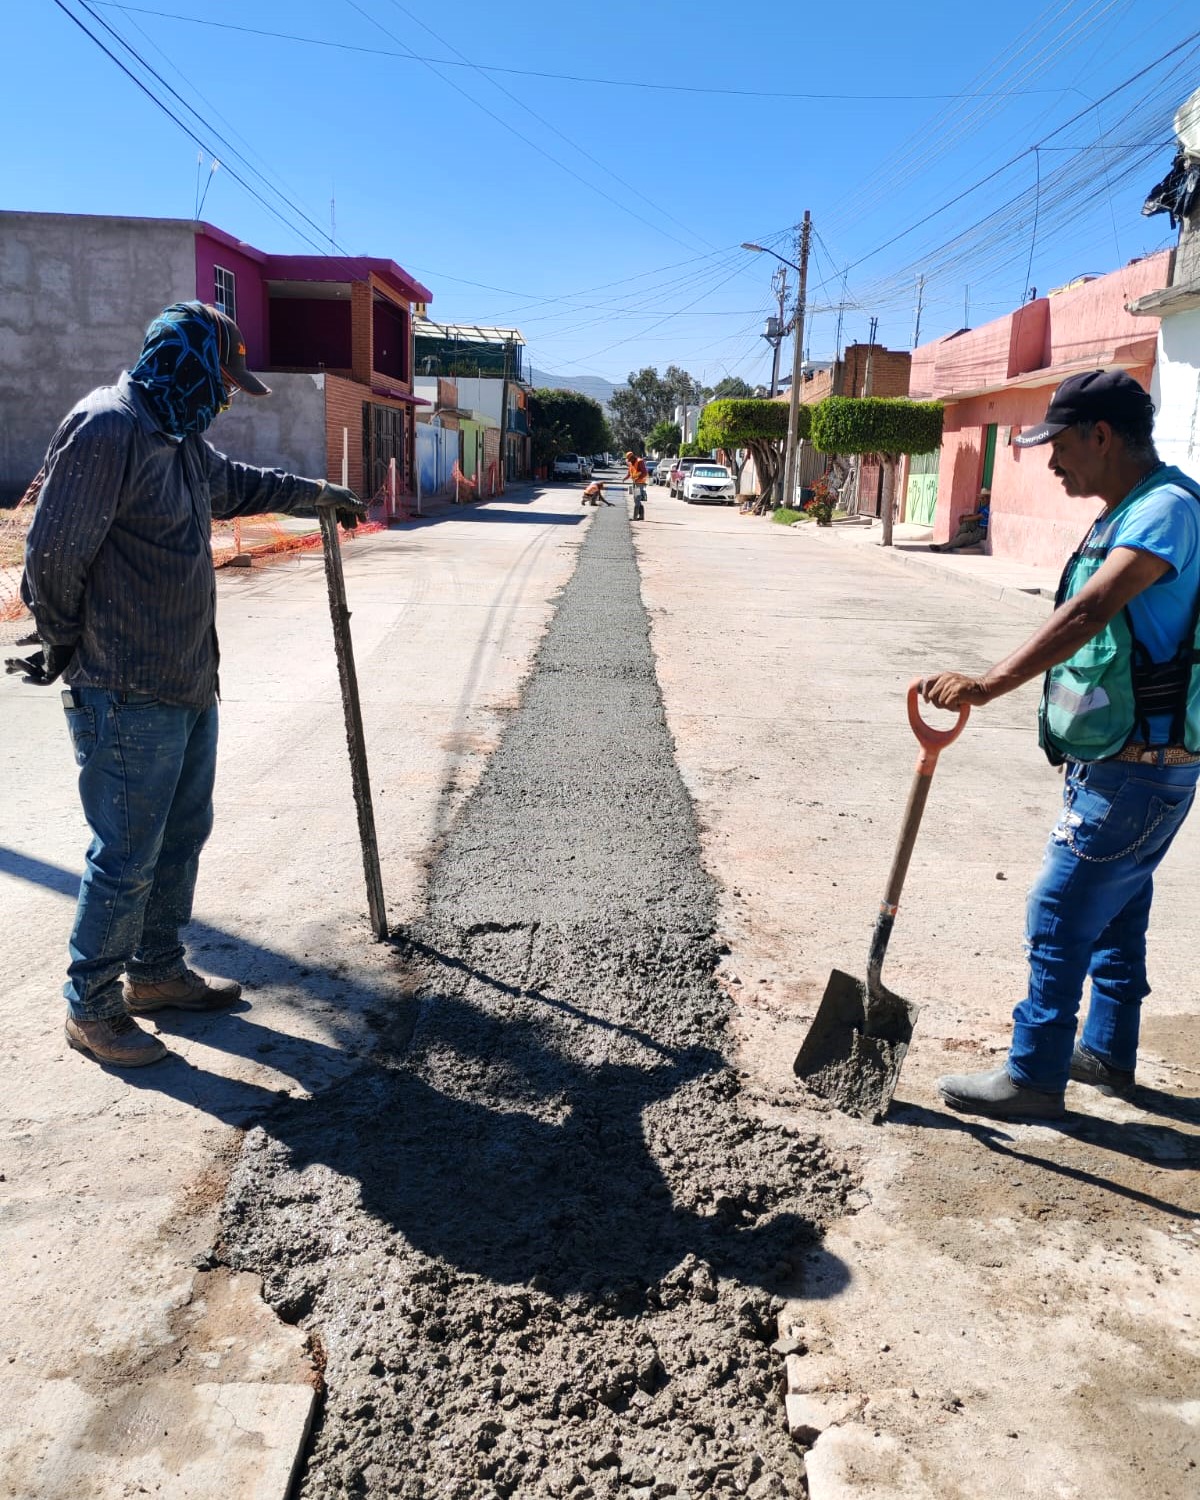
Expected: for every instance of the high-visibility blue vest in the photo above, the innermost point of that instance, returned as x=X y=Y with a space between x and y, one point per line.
x=1104 y=696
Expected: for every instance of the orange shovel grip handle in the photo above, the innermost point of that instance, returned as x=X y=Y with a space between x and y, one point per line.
x=932 y=741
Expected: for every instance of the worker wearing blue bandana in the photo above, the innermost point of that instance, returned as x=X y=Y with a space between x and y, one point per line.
x=119 y=579
x=1120 y=711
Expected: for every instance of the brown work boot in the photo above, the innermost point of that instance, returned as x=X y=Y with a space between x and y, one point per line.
x=118 y=1040
x=187 y=991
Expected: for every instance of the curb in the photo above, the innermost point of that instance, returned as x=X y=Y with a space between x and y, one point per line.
x=1025 y=599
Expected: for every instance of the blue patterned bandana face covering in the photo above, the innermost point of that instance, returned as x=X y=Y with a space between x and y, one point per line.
x=179 y=369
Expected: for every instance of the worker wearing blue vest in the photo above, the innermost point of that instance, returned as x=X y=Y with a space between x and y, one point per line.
x=1121 y=710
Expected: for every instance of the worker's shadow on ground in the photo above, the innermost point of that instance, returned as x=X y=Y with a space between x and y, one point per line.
x=461 y=1126
x=508 y=1158
x=1160 y=1146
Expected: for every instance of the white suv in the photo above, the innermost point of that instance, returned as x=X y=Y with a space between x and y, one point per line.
x=568 y=466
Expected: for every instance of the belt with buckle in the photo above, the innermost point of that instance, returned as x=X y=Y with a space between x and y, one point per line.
x=1158 y=755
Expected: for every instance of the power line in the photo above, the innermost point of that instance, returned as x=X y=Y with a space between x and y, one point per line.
x=616 y=83
x=183 y=125
x=541 y=119
x=1013 y=160
x=521 y=136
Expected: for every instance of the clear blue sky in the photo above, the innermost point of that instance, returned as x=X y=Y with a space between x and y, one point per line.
x=622 y=249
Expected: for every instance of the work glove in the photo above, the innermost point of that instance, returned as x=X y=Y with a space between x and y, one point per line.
x=40 y=669
x=349 y=508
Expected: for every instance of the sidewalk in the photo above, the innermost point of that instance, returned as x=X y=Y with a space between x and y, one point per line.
x=1018 y=1317
x=1016 y=583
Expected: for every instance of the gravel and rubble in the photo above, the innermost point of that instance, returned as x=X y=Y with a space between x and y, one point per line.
x=541 y=1239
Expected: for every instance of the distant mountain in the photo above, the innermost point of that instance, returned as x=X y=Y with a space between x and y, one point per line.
x=587 y=385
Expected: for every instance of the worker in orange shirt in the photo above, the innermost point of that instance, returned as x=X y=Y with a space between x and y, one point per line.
x=638 y=478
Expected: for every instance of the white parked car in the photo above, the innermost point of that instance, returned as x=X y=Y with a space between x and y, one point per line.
x=708 y=482
x=568 y=466
x=662 y=471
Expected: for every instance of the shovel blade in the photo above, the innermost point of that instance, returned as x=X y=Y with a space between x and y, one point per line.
x=857 y=1073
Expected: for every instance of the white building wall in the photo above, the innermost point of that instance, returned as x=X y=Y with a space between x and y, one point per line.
x=478 y=394
x=1176 y=391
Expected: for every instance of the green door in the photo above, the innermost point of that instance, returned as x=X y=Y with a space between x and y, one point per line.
x=920 y=498
x=989 y=457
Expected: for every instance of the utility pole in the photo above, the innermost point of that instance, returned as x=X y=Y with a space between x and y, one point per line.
x=920 y=303
x=869 y=373
x=779 y=286
x=789 y=471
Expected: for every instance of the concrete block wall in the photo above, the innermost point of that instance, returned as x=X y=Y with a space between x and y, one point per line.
x=285 y=430
x=76 y=294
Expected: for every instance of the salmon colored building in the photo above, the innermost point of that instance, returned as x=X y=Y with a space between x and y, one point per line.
x=997 y=379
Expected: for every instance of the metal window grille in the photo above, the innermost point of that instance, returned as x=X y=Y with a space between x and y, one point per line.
x=225 y=291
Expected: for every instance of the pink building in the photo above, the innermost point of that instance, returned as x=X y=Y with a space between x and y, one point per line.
x=997 y=379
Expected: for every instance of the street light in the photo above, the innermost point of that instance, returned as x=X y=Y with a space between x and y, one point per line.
x=762 y=250
x=801 y=270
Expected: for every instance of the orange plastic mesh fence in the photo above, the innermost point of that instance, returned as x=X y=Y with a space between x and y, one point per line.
x=257 y=537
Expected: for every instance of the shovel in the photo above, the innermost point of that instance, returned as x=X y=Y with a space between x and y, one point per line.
x=856 y=1045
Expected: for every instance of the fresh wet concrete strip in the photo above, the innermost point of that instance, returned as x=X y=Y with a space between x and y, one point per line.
x=540 y=1240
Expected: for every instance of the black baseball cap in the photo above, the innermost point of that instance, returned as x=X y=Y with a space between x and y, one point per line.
x=1094 y=396
x=233 y=355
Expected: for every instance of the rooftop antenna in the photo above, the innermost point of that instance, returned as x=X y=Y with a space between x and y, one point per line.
x=332 y=217
x=212 y=172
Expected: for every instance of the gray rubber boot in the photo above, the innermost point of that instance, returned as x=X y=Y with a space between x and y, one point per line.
x=1086 y=1067
x=996 y=1095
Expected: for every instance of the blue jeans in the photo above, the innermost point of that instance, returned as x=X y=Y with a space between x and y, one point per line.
x=146 y=782
x=1088 y=913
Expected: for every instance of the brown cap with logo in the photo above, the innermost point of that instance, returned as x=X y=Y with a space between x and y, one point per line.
x=233 y=355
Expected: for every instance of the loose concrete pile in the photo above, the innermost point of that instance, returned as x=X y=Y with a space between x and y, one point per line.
x=539 y=1241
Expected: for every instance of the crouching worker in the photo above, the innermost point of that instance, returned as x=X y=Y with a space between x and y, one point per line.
x=1121 y=710
x=119 y=579
x=594 y=494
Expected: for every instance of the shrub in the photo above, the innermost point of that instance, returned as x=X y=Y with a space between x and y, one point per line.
x=876 y=424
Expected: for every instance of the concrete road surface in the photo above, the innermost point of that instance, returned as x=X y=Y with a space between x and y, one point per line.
x=1004 y=1310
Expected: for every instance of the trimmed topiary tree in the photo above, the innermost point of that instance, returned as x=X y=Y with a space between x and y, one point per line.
x=758 y=426
x=878 y=426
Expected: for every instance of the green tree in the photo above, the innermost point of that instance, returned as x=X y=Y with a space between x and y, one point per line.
x=732 y=388
x=648 y=398
x=878 y=426
x=755 y=425
x=576 y=423
x=664 y=437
